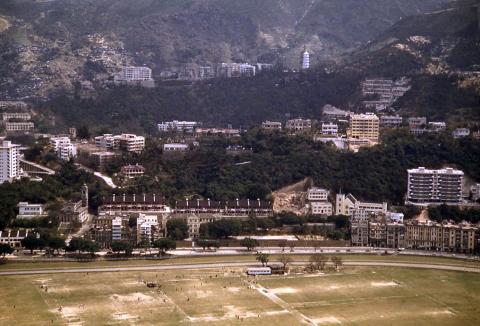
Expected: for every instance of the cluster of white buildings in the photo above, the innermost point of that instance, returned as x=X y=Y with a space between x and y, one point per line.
x=318 y=201
x=387 y=92
x=127 y=142
x=63 y=147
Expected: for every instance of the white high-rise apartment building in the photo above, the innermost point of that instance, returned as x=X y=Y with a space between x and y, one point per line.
x=364 y=126
x=9 y=161
x=427 y=186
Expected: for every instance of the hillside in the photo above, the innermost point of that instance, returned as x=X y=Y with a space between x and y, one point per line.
x=51 y=44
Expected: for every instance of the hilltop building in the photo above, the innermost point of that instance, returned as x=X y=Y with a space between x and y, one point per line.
x=272 y=125
x=29 y=211
x=299 y=124
x=135 y=76
x=127 y=142
x=175 y=125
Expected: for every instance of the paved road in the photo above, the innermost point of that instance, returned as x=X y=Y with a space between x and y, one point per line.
x=222 y=265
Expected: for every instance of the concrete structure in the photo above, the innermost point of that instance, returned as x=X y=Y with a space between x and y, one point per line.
x=329 y=129
x=332 y=113
x=229 y=70
x=272 y=125
x=386 y=92
x=127 y=142
x=14 y=237
x=437 y=126
x=24 y=116
x=324 y=208
x=135 y=75
x=175 y=125
x=445 y=236
x=147 y=226
x=226 y=132
x=426 y=187
x=347 y=204
x=391 y=121
x=417 y=124
x=73 y=211
x=29 y=211
x=103 y=158
x=461 y=132
x=63 y=147
x=130 y=142
x=9 y=161
x=364 y=126
x=299 y=124
x=33 y=169
x=317 y=194
x=305 y=59
x=19 y=126
x=132 y=171
x=135 y=204
x=175 y=147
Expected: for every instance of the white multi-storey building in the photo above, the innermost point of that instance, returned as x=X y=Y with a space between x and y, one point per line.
x=348 y=205
x=321 y=208
x=25 y=116
x=9 y=161
x=317 y=194
x=272 y=125
x=427 y=186
x=63 y=147
x=29 y=211
x=299 y=124
x=175 y=125
x=391 y=120
x=19 y=126
x=305 y=59
x=127 y=142
x=329 y=129
x=117 y=229
x=175 y=147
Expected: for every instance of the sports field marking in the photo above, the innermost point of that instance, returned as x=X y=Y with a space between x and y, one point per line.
x=294 y=312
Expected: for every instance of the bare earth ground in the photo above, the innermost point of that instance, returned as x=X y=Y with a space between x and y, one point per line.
x=353 y=296
x=4 y=24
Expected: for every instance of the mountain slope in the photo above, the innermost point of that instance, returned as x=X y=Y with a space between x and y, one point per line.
x=51 y=44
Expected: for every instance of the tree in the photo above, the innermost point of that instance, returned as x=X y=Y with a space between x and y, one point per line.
x=5 y=249
x=177 y=229
x=164 y=245
x=205 y=243
x=83 y=132
x=337 y=262
x=76 y=244
x=221 y=229
x=32 y=242
x=317 y=262
x=263 y=258
x=249 y=243
x=285 y=260
x=125 y=246
x=56 y=243
x=91 y=247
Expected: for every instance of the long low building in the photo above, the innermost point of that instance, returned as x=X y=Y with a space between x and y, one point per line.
x=426 y=235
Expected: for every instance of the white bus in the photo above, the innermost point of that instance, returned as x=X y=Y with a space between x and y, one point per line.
x=259 y=271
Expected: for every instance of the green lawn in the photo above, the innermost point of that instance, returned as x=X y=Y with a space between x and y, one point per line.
x=353 y=296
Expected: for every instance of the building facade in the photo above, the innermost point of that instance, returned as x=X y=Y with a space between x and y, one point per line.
x=364 y=126
x=9 y=161
x=426 y=187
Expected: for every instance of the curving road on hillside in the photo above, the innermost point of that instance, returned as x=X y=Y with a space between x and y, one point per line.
x=226 y=265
